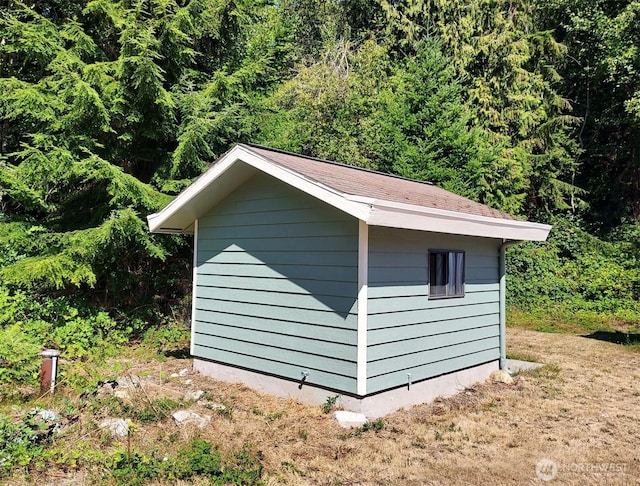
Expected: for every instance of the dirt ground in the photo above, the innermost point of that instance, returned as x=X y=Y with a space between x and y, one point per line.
x=574 y=421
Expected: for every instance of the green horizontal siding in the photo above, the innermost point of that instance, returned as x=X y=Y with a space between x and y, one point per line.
x=282 y=284
x=401 y=303
x=422 y=289
x=410 y=333
x=339 y=335
x=431 y=369
x=338 y=304
x=389 y=335
x=309 y=271
x=429 y=342
x=301 y=316
x=276 y=285
x=407 y=317
x=256 y=243
x=407 y=362
x=281 y=230
x=277 y=350
x=277 y=368
x=318 y=257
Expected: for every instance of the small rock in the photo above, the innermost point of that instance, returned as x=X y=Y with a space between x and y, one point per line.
x=182 y=417
x=122 y=394
x=212 y=405
x=128 y=382
x=501 y=376
x=107 y=388
x=174 y=375
x=48 y=415
x=183 y=372
x=188 y=382
x=349 y=419
x=194 y=395
x=117 y=427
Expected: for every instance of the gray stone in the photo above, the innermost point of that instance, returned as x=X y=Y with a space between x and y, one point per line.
x=117 y=426
x=182 y=417
x=194 y=395
x=349 y=419
x=48 y=415
x=128 y=382
x=122 y=394
x=218 y=407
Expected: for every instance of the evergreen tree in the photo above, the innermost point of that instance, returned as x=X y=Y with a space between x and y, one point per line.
x=104 y=107
x=510 y=87
x=602 y=76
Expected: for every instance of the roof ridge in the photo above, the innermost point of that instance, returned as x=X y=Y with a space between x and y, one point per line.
x=340 y=164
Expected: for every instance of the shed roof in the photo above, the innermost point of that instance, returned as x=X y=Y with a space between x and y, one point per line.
x=373 y=197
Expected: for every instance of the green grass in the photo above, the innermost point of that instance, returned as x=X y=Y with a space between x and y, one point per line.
x=567 y=321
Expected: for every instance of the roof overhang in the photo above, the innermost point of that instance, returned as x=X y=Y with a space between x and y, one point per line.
x=241 y=163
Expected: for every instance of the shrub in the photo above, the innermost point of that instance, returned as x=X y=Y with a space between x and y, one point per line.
x=23 y=442
x=19 y=357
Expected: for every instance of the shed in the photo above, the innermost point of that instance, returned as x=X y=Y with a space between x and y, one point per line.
x=313 y=279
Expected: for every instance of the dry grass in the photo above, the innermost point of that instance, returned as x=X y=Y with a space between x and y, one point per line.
x=582 y=411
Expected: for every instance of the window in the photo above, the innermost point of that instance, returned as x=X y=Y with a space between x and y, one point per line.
x=446 y=274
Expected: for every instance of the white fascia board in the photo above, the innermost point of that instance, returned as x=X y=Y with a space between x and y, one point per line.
x=181 y=201
x=398 y=215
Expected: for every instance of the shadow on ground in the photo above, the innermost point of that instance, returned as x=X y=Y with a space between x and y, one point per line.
x=180 y=353
x=616 y=337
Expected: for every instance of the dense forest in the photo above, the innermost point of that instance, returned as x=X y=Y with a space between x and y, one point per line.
x=109 y=108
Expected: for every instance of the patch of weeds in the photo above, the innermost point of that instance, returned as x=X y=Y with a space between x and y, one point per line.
x=108 y=405
x=256 y=411
x=224 y=411
x=135 y=468
x=438 y=436
x=24 y=441
x=303 y=434
x=196 y=460
x=82 y=454
x=551 y=328
x=143 y=410
x=376 y=426
x=522 y=357
x=273 y=416
x=549 y=371
x=169 y=340
x=289 y=467
x=329 y=404
x=156 y=410
x=68 y=408
x=419 y=443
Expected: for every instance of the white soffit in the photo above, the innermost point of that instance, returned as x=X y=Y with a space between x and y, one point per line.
x=240 y=163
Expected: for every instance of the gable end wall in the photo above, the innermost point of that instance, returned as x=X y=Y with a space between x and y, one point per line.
x=276 y=285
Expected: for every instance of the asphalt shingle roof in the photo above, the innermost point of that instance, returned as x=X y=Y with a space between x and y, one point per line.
x=365 y=183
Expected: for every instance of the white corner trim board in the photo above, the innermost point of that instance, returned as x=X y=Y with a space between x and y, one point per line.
x=363 y=311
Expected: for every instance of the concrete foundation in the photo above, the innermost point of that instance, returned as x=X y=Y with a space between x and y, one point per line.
x=373 y=406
